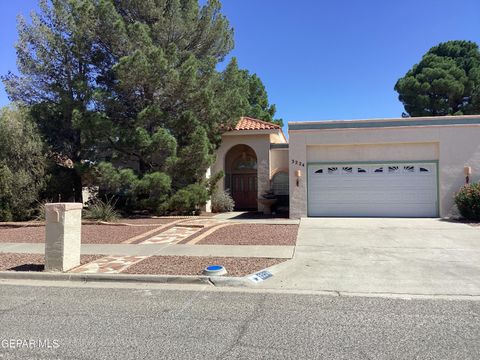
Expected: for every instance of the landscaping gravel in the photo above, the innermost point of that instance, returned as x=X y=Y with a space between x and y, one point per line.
x=91 y=234
x=194 y=265
x=253 y=234
x=33 y=262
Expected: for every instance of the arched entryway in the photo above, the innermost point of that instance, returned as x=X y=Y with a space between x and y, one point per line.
x=241 y=176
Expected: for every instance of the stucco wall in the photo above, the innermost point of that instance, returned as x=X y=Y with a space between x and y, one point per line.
x=277 y=138
x=454 y=147
x=278 y=161
x=373 y=152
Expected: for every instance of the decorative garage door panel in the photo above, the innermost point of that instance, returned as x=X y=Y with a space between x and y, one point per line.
x=399 y=189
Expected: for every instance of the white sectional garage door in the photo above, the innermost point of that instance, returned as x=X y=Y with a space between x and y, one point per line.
x=383 y=189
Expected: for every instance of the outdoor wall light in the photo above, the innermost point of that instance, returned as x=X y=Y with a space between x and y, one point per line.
x=298 y=174
x=467 y=170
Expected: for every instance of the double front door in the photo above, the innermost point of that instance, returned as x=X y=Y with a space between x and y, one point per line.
x=244 y=191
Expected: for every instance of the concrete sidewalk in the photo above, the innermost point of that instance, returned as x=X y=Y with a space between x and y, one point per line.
x=257 y=251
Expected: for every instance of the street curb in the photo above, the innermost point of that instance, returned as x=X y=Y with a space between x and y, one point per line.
x=222 y=281
x=129 y=278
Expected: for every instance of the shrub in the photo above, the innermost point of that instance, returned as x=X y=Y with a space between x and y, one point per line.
x=468 y=201
x=22 y=164
x=116 y=183
x=152 y=190
x=102 y=211
x=222 y=202
x=211 y=183
x=188 y=201
x=5 y=213
x=130 y=191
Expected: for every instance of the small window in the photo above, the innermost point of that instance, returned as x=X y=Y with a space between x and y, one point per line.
x=333 y=170
x=245 y=163
x=393 y=169
x=424 y=170
x=347 y=170
x=409 y=169
x=378 y=170
x=319 y=171
x=361 y=170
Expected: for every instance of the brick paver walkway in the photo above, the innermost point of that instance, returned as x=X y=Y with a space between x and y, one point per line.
x=200 y=222
x=173 y=235
x=116 y=264
x=109 y=264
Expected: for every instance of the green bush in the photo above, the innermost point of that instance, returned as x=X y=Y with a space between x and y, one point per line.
x=222 y=202
x=188 y=201
x=102 y=211
x=116 y=183
x=5 y=213
x=131 y=192
x=22 y=164
x=468 y=201
x=211 y=183
x=152 y=191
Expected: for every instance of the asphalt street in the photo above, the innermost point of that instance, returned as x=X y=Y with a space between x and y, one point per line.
x=203 y=323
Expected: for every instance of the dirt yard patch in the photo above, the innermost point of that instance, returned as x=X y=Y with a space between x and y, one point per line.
x=252 y=234
x=32 y=262
x=91 y=234
x=194 y=265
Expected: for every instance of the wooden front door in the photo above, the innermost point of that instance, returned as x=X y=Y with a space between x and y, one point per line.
x=244 y=191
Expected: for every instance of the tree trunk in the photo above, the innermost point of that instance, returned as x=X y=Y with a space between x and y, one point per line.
x=77 y=187
x=143 y=166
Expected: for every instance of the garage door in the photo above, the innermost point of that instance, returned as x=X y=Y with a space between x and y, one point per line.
x=383 y=189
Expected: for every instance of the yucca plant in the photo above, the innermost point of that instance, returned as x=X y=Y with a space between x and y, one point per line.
x=40 y=210
x=102 y=210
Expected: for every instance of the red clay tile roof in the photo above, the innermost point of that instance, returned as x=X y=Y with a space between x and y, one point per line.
x=247 y=123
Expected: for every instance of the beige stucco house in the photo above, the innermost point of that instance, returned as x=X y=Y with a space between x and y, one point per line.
x=254 y=158
x=407 y=167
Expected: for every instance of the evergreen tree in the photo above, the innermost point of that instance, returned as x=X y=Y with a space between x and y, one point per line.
x=55 y=57
x=134 y=82
x=445 y=82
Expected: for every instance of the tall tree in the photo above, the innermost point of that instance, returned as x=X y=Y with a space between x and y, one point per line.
x=164 y=86
x=55 y=57
x=133 y=82
x=248 y=96
x=445 y=82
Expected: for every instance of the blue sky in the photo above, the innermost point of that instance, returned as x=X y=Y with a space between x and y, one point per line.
x=336 y=59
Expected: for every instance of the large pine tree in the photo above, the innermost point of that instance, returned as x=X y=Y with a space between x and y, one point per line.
x=133 y=81
x=445 y=82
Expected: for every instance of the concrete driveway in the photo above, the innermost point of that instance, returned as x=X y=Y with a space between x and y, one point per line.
x=383 y=256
